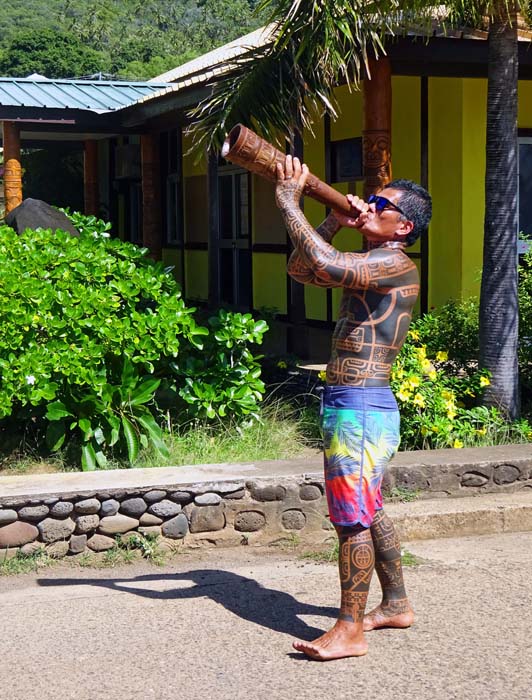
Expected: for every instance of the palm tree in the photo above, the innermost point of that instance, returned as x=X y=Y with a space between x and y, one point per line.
x=317 y=45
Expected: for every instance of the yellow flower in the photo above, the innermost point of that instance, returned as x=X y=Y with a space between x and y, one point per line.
x=484 y=381
x=414 y=382
x=322 y=375
x=451 y=414
x=447 y=395
x=414 y=335
x=419 y=400
x=442 y=356
x=435 y=429
x=480 y=431
x=424 y=431
x=432 y=375
x=403 y=395
x=458 y=444
x=469 y=392
x=421 y=353
x=282 y=364
x=427 y=366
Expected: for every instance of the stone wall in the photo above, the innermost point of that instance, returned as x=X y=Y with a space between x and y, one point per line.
x=229 y=504
x=210 y=513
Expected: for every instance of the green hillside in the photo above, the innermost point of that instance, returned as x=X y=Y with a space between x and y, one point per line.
x=135 y=39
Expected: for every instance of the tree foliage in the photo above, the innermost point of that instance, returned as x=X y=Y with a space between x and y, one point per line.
x=128 y=39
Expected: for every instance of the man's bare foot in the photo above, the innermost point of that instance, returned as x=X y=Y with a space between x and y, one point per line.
x=397 y=614
x=344 y=639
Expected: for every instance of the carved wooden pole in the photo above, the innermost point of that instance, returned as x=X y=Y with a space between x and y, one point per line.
x=376 y=136
x=151 y=198
x=90 y=177
x=12 y=167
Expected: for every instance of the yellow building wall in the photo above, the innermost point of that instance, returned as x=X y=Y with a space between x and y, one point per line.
x=445 y=187
x=269 y=282
x=196 y=273
x=524 y=113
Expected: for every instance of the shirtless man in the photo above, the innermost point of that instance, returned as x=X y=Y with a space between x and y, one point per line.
x=360 y=416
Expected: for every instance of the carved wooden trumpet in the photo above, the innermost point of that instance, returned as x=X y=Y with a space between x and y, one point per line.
x=245 y=148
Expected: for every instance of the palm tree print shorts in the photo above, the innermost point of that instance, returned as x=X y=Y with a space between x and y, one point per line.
x=360 y=436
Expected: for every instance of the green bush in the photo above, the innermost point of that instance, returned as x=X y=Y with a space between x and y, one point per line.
x=93 y=330
x=438 y=406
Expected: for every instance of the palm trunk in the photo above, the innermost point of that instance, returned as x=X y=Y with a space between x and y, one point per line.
x=498 y=297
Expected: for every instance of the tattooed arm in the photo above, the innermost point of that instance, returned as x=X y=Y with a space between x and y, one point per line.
x=328 y=266
x=297 y=269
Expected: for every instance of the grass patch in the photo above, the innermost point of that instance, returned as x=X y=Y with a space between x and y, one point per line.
x=25 y=563
x=330 y=555
x=409 y=559
x=401 y=494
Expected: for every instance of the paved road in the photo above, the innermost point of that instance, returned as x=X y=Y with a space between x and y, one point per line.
x=218 y=624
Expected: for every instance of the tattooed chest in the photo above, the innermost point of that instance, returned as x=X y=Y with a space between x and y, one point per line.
x=369 y=333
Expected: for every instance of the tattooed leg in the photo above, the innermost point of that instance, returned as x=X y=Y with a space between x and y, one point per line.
x=356 y=564
x=394 y=610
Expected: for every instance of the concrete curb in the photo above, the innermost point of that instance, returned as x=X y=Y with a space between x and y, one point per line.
x=462 y=517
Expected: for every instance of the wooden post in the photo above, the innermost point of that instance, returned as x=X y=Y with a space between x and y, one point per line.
x=12 y=166
x=90 y=178
x=151 y=198
x=376 y=136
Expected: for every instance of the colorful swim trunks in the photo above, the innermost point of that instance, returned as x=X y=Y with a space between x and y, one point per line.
x=360 y=436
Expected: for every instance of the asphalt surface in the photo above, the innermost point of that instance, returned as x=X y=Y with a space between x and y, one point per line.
x=219 y=624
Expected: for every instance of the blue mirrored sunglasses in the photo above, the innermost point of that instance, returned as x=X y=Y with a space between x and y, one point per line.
x=381 y=203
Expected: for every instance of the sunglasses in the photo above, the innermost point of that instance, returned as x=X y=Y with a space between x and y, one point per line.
x=381 y=203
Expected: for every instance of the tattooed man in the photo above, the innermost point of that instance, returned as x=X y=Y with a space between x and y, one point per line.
x=360 y=416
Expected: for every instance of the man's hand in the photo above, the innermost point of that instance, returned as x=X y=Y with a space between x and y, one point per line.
x=361 y=212
x=291 y=179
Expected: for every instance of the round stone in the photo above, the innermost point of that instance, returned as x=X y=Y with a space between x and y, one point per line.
x=62 y=509
x=208 y=499
x=147 y=520
x=180 y=496
x=267 y=493
x=474 y=479
x=86 y=523
x=235 y=495
x=176 y=528
x=53 y=530
x=249 y=521
x=109 y=507
x=154 y=496
x=78 y=543
x=7 y=517
x=293 y=520
x=31 y=548
x=309 y=492
x=165 y=509
x=134 y=507
x=117 y=524
x=100 y=543
x=33 y=513
x=207 y=519
x=505 y=474
x=50 y=501
x=89 y=506
x=16 y=534
x=150 y=530
x=57 y=550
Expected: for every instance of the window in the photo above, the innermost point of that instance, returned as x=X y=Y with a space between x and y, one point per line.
x=346 y=160
x=172 y=182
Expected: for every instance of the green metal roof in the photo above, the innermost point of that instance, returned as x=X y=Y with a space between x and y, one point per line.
x=99 y=96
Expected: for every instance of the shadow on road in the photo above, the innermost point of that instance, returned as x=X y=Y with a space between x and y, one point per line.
x=240 y=595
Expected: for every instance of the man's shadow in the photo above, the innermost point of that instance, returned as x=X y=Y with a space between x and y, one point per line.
x=242 y=596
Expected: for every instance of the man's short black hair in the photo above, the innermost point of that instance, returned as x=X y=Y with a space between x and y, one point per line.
x=416 y=203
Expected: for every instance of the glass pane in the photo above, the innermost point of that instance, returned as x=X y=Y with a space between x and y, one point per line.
x=243 y=205
x=171 y=211
x=244 y=278
x=226 y=207
x=172 y=151
x=525 y=188
x=226 y=275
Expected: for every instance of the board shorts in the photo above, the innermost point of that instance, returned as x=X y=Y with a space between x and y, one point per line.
x=360 y=436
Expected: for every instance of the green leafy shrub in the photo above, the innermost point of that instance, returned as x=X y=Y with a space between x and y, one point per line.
x=438 y=407
x=93 y=330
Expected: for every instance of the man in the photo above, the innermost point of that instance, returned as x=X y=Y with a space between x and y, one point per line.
x=360 y=416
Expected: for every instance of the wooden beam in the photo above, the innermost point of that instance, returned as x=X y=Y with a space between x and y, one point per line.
x=12 y=166
x=151 y=197
x=90 y=178
x=376 y=135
